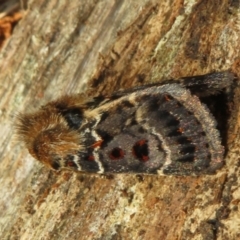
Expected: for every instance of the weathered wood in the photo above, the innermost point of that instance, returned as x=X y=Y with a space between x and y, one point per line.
x=94 y=47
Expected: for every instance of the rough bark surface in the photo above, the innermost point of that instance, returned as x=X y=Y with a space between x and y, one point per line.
x=95 y=47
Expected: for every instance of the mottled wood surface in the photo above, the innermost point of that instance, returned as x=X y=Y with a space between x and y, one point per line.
x=94 y=47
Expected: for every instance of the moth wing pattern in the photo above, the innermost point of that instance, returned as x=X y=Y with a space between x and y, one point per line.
x=154 y=129
x=162 y=134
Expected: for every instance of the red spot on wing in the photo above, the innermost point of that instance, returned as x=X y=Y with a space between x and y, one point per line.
x=145 y=158
x=141 y=142
x=180 y=130
x=91 y=158
x=116 y=153
x=140 y=150
x=97 y=144
x=70 y=164
x=167 y=98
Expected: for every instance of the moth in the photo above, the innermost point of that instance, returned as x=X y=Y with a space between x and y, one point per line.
x=155 y=129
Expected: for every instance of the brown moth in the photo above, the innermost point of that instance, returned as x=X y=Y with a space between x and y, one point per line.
x=154 y=129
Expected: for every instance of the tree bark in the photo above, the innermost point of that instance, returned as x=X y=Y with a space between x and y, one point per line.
x=98 y=47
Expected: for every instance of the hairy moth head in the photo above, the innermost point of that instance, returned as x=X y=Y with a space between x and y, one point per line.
x=51 y=134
